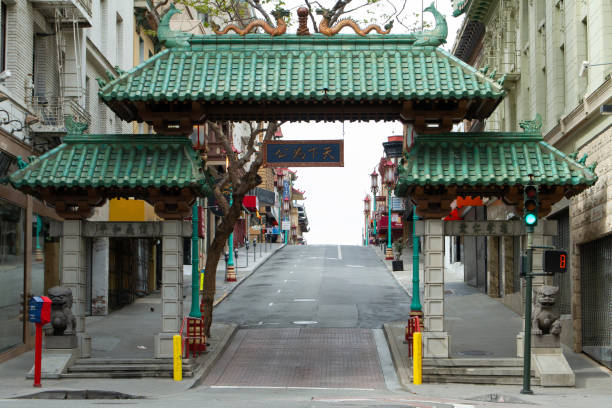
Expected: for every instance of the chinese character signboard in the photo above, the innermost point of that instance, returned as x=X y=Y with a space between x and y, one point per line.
x=304 y=153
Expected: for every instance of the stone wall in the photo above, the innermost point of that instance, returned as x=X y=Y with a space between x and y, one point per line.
x=590 y=218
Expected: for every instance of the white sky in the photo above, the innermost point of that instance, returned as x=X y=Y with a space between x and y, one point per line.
x=334 y=195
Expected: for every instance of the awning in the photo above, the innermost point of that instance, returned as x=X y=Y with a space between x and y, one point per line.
x=404 y=77
x=86 y=169
x=396 y=222
x=251 y=203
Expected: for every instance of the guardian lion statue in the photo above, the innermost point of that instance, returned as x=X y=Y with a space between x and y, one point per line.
x=63 y=321
x=546 y=318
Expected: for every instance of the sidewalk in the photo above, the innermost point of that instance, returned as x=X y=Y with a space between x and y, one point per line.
x=480 y=326
x=128 y=333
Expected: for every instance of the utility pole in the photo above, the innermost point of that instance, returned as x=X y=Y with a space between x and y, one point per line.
x=531 y=206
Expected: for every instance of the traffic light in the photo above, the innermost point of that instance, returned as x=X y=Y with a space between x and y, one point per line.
x=531 y=205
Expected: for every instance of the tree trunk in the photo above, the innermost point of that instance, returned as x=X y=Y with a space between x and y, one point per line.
x=223 y=232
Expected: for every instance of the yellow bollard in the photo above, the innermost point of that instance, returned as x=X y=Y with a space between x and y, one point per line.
x=202 y=280
x=417 y=359
x=178 y=361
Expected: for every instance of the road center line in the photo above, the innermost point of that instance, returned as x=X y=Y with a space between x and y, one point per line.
x=271 y=303
x=339 y=253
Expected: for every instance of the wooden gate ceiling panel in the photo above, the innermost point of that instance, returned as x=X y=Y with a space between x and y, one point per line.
x=85 y=170
x=441 y=167
x=292 y=77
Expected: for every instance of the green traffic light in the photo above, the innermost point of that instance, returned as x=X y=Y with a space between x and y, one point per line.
x=531 y=219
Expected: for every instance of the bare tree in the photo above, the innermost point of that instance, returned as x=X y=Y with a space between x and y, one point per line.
x=240 y=178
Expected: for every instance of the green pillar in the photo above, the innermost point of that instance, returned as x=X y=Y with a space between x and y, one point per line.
x=527 y=335
x=195 y=266
x=230 y=240
x=389 y=226
x=415 y=306
x=38 y=230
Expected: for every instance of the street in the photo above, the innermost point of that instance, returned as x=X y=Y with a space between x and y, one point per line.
x=317 y=286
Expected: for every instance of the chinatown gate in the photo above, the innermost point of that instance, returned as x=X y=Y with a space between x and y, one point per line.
x=295 y=77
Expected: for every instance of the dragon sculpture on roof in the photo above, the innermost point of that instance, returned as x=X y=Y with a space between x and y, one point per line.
x=324 y=27
x=434 y=37
x=281 y=26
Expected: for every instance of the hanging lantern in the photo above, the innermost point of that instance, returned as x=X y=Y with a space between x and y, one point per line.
x=286 y=205
x=389 y=175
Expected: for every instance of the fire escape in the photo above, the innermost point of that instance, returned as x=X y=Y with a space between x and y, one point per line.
x=67 y=95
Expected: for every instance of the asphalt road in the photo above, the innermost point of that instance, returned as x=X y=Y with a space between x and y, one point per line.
x=317 y=286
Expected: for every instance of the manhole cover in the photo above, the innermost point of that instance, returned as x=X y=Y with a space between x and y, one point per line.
x=474 y=353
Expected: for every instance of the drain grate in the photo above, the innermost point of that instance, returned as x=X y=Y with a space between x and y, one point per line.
x=79 y=395
x=474 y=353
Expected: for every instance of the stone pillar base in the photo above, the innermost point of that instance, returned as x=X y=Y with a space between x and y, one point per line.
x=163 y=345
x=435 y=345
x=389 y=254
x=230 y=274
x=84 y=342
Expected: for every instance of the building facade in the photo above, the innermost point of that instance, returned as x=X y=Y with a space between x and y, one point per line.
x=555 y=59
x=51 y=55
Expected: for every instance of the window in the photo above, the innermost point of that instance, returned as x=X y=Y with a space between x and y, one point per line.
x=12 y=263
x=119 y=41
x=3 y=39
x=141 y=50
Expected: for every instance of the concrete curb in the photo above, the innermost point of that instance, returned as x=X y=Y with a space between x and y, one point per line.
x=207 y=366
x=229 y=292
x=402 y=368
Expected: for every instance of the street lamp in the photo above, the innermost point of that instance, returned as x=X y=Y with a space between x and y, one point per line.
x=286 y=217
x=374 y=188
x=389 y=180
x=230 y=270
x=280 y=185
x=366 y=213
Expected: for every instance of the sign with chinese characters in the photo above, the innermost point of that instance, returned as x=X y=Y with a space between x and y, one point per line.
x=286 y=225
x=304 y=153
x=128 y=229
x=490 y=228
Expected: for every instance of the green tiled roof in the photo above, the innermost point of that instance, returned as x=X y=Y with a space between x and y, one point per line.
x=489 y=159
x=300 y=69
x=120 y=162
x=476 y=10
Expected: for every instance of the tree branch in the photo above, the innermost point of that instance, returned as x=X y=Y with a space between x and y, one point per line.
x=314 y=22
x=257 y=6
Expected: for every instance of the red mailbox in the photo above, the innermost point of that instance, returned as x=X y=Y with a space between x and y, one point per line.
x=39 y=312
